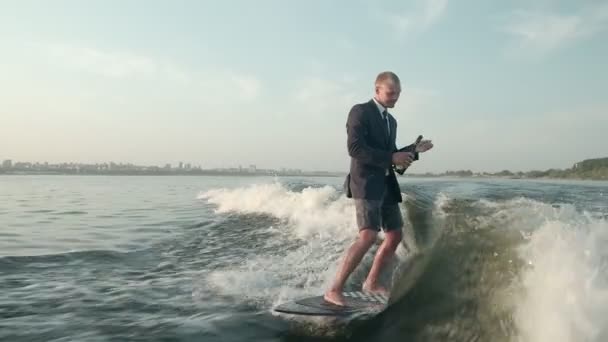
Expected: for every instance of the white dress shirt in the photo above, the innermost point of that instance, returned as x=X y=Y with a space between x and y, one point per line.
x=381 y=108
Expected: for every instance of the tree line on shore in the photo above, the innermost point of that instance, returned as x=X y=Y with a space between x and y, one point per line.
x=594 y=169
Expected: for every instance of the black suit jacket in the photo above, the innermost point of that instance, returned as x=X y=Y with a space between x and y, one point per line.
x=371 y=151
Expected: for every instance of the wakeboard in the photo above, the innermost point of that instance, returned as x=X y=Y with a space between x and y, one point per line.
x=358 y=304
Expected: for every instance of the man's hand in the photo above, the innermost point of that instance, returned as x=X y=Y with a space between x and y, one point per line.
x=424 y=146
x=403 y=158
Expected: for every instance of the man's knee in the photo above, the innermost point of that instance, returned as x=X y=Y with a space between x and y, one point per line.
x=367 y=236
x=393 y=237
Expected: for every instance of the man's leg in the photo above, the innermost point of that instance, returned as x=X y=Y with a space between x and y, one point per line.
x=353 y=257
x=369 y=217
x=393 y=227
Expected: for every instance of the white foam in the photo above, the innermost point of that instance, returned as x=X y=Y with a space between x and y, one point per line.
x=320 y=218
x=565 y=295
x=562 y=293
x=523 y=214
x=273 y=279
x=319 y=211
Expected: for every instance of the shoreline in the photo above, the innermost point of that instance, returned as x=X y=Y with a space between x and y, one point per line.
x=278 y=174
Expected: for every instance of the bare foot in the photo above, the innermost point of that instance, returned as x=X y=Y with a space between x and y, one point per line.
x=334 y=297
x=375 y=289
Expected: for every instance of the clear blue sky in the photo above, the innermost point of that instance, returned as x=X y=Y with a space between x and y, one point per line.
x=496 y=85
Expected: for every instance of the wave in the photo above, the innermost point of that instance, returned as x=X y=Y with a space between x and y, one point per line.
x=502 y=270
x=315 y=211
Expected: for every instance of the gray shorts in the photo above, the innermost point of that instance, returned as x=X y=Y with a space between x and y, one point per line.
x=374 y=214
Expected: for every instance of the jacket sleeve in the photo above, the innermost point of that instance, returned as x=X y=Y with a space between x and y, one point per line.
x=410 y=148
x=358 y=148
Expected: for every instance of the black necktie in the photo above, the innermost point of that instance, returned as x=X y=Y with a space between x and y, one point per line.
x=386 y=127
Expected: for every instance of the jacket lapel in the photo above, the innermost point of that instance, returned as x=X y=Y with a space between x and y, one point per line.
x=379 y=123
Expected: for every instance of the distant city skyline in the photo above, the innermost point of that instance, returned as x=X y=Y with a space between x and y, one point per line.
x=13 y=164
x=10 y=167
x=514 y=85
x=9 y=164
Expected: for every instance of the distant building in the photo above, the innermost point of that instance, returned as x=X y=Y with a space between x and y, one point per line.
x=7 y=164
x=252 y=168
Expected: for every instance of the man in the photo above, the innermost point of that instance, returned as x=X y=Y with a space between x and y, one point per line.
x=371 y=135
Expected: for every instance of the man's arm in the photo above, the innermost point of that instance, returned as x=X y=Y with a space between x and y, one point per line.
x=409 y=148
x=357 y=146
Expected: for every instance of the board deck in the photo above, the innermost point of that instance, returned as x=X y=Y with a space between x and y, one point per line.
x=357 y=302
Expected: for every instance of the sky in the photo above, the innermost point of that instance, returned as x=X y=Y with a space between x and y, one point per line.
x=518 y=85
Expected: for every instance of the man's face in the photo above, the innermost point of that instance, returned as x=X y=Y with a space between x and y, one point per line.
x=388 y=93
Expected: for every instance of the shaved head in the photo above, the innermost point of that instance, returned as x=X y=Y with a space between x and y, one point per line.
x=388 y=88
x=387 y=77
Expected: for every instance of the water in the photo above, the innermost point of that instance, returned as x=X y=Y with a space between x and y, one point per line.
x=93 y=258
